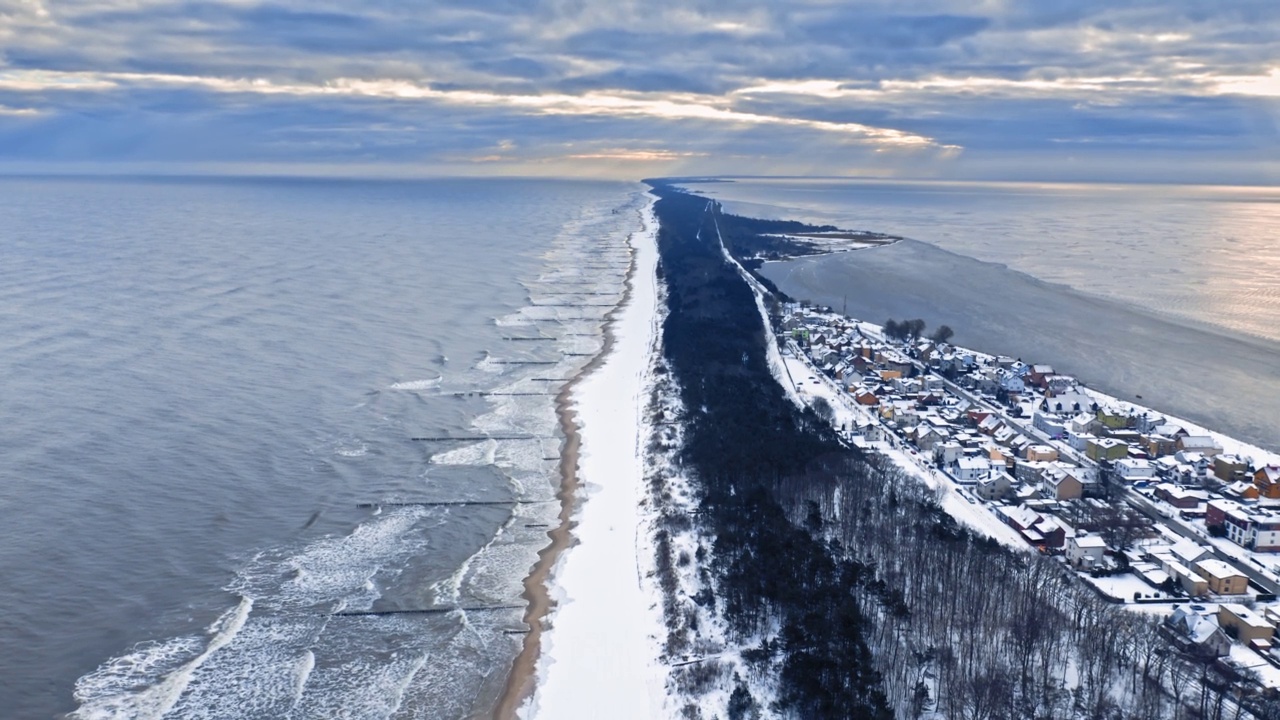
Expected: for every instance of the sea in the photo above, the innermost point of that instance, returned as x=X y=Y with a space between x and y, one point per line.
x=1164 y=295
x=284 y=447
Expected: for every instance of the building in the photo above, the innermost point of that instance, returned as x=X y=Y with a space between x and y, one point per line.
x=1181 y=497
x=1267 y=479
x=865 y=397
x=971 y=469
x=1060 y=484
x=1223 y=579
x=1101 y=449
x=1043 y=453
x=1255 y=528
x=1229 y=468
x=1192 y=583
x=1203 y=444
x=994 y=486
x=1196 y=630
x=1248 y=625
x=1134 y=469
x=1085 y=551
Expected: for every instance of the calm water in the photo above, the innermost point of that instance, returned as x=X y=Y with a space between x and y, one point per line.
x=204 y=378
x=1169 y=292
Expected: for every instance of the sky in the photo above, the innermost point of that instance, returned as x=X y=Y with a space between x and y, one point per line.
x=1167 y=90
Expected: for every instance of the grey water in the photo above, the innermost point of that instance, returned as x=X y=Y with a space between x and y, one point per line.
x=204 y=379
x=1171 y=293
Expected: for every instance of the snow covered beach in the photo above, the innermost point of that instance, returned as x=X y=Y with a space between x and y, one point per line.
x=600 y=644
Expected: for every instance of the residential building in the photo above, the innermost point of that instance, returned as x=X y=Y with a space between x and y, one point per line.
x=1223 y=579
x=1133 y=469
x=1268 y=481
x=1043 y=453
x=1060 y=483
x=1085 y=551
x=1248 y=625
x=994 y=486
x=1229 y=468
x=1100 y=449
x=1192 y=583
x=1196 y=629
x=1203 y=444
x=971 y=469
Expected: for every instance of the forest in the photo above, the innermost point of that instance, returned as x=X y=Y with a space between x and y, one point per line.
x=853 y=593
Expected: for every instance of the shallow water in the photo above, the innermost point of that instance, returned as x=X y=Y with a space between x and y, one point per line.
x=205 y=378
x=1165 y=292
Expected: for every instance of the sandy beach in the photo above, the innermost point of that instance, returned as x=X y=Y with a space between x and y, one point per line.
x=593 y=626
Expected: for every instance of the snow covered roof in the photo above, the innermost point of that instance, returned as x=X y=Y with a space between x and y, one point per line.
x=1089 y=541
x=1217 y=569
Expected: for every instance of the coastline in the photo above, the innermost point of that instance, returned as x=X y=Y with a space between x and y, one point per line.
x=522 y=680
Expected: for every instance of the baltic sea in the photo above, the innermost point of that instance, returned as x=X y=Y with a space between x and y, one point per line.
x=215 y=390
x=1160 y=291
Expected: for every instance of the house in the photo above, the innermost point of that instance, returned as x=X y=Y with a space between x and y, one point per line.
x=1059 y=384
x=1229 y=468
x=865 y=397
x=1068 y=403
x=1084 y=423
x=1042 y=453
x=1133 y=469
x=1255 y=528
x=1223 y=579
x=1159 y=445
x=990 y=424
x=1267 y=479
x=1048 y=424
x=1036 y=529
x=1241 y=490
x=1248 y=625
x=994 y=486
x=1196 y=629
x=1192 y=584
x=948 y=452
x=971 y=469
x=1037 y=374
x=1085 y=551
x=1100 y=449
x=1115 y=418
x=1060 y=483
x=1079 y=440
x=1181 y=497
x=1031 y=472
x=1202 y=444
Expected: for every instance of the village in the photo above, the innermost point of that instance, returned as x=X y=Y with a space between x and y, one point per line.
x=1153 y=512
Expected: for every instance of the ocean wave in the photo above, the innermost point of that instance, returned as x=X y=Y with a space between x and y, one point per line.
x=428 y=384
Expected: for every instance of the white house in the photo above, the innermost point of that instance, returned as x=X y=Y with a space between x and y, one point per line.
x=971 y=469
x=1085 y=551
x=1132 y=469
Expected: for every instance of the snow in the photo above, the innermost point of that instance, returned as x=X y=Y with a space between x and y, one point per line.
x=1246 y=657
x=600 y=652
x=1122 y=587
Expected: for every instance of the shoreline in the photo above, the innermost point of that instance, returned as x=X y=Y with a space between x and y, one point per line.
x=522 y=678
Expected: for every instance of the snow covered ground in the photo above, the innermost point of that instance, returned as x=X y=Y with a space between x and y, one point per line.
x=600 y=653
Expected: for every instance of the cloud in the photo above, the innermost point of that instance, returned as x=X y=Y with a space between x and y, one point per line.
x=903 y=85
